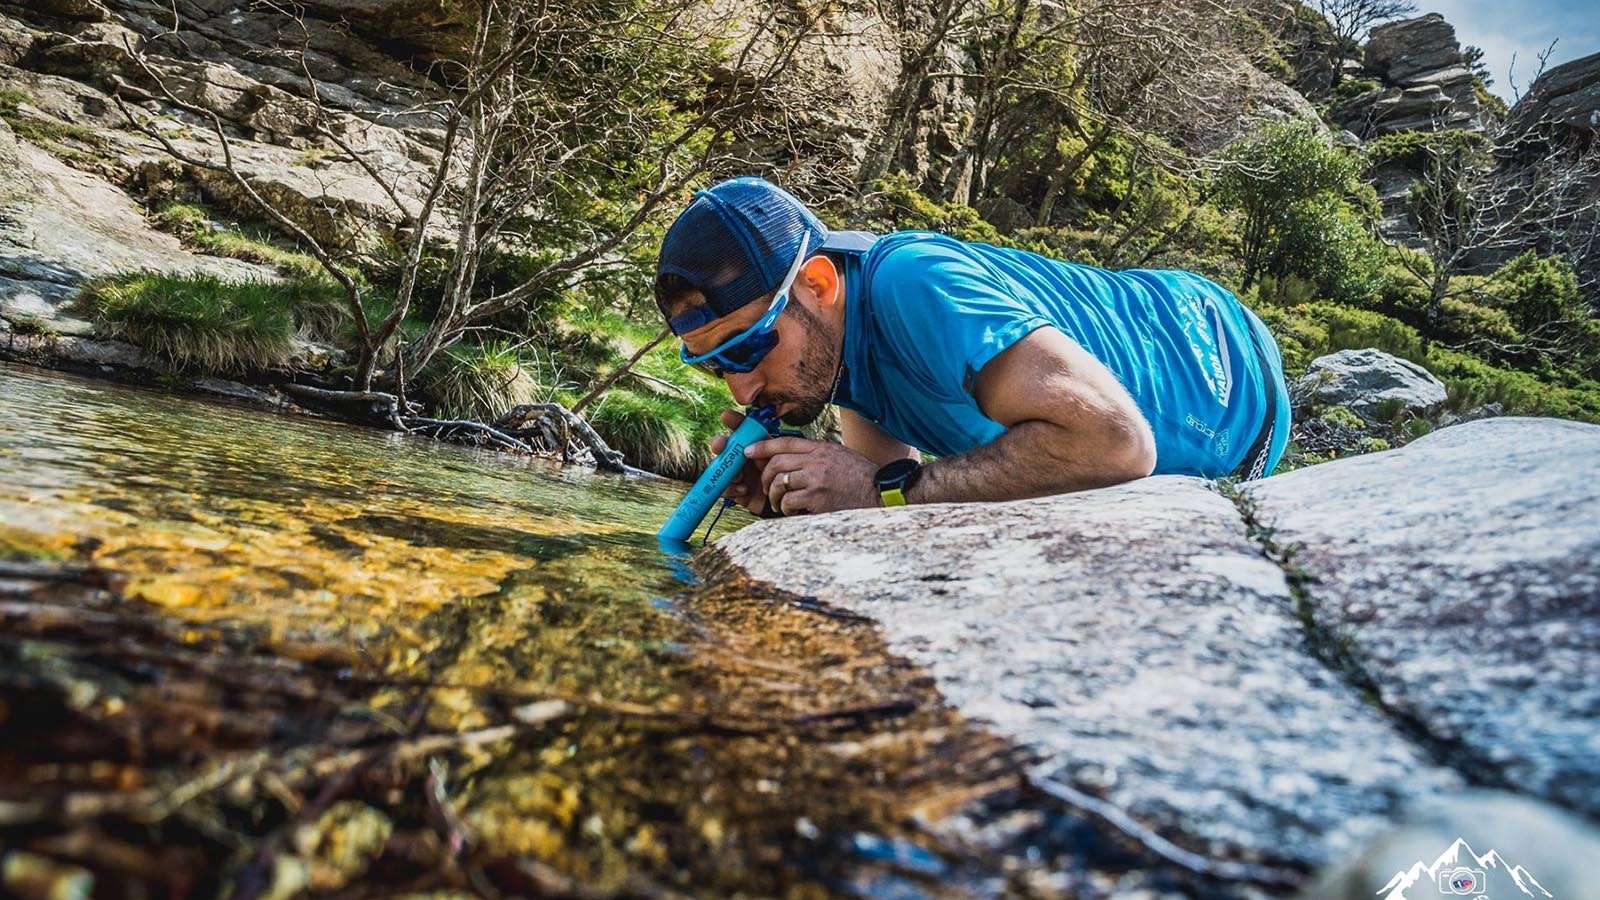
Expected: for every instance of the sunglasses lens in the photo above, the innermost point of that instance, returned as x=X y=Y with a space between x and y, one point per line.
x=747 y=354
x=741 y=357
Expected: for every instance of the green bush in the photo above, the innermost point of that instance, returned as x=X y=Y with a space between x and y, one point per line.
x=1463 y=321
x=480 y=381
x=1355 y=329
x=1353 y=88
x=1322 y=241
x=1473 y=382
x=653 y=432
x=895 y=204
x=1287 y=181
x=216 y=325
x=1415 y=148
x=1540 y=297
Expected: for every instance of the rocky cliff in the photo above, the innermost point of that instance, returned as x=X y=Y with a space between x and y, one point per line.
x=1424 y=84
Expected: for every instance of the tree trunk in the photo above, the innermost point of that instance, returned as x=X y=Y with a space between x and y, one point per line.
x=606 y=383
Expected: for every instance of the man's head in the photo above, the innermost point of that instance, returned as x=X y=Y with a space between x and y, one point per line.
x=740 y=280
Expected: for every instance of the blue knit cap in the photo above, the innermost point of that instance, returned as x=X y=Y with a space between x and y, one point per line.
x=734 y=244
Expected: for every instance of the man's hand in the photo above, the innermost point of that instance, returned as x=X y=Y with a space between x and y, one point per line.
x=799 y=475
x=747 y=489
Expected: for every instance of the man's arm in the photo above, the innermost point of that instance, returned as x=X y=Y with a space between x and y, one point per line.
x=1070 y=425
x=871 y=441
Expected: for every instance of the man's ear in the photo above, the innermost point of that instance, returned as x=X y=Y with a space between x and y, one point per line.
x=822 y=277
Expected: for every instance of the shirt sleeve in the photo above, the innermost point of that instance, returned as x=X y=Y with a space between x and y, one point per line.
x=946 y=314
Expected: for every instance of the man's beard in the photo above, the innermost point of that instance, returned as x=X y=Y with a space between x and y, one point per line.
x=815 y=373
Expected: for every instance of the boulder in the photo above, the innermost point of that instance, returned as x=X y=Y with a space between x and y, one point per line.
x=1283 y=677
x=1138 y=642
x=1429 y=88
x=1372 y=384
x=1461 y=573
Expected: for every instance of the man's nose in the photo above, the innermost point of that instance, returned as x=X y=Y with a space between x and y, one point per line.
x=744 y=386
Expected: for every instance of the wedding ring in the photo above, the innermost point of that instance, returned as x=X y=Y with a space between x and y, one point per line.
x=786 y=480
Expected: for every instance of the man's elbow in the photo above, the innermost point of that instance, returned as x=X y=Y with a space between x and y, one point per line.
x=1137 y=446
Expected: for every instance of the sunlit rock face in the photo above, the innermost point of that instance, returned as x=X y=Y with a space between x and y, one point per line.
x=1464 y=572
x=1276 y=676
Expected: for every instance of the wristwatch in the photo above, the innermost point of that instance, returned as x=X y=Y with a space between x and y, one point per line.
x=895 y=479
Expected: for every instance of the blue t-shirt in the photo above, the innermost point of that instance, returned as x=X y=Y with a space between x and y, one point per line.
x=925 y=313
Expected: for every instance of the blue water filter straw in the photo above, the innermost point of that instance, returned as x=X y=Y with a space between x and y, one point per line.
x=758 y=425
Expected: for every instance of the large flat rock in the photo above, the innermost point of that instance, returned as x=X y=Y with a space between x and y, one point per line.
x=1138 y=641
x=60 y=227
x=1462 y=574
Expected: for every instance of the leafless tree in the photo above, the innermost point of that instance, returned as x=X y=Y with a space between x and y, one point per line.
x=551 y=110
x=1352 y=19
x=1473 y=214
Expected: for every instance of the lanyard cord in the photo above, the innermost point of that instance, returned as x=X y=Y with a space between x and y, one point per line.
x=714 y=519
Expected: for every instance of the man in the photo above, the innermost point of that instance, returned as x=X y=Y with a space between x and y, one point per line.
x=1024 y=375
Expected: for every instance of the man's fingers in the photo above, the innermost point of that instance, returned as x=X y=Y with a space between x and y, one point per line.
x=718 y=442
x=773 y=446
x=793 y=503
x=732 y=418
x=778 y=466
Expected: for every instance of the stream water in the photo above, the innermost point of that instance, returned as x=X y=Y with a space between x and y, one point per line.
x=261 y=654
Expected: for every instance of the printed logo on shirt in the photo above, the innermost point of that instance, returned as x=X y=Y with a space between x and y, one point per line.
x=1210 y=348
x=1223 y=365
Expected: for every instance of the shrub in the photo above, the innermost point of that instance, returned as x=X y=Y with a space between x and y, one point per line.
x=480 y=381
x=894 y=204
x=1270 y=177
x=200 y=320
x=652 y=432
x=1540 y=297
x=1473 y=382
x=1354 y=329
x=1322 y=241
x=1463 y=321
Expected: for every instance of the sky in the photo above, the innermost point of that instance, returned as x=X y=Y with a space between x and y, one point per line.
x=1504 y=27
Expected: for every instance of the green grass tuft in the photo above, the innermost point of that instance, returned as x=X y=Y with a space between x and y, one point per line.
x=205 y=322
x=653 y=432
x=480 y=381
x=194 y=227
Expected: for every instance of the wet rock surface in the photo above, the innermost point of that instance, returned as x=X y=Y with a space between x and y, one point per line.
x=1137 y=641
x=1438 y=627
x=1462 y=575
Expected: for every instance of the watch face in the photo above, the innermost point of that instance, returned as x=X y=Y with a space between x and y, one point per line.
x=895 y=473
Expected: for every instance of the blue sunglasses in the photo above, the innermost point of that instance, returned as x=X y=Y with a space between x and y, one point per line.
x=745 y=350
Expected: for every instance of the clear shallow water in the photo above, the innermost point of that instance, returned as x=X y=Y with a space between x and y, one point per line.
x=713 y=739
